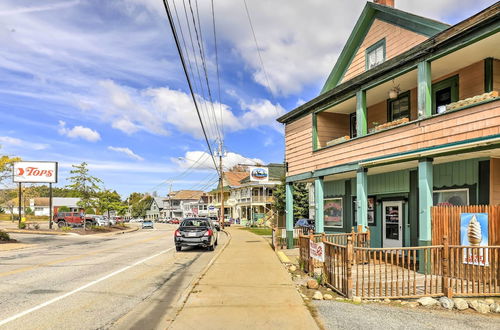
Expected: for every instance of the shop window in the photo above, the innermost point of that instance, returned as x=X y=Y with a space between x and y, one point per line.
x=375 y=54
x=333 y=213
x=451 y=197
x=371 y=211
x=444 y=92
x=399 y=107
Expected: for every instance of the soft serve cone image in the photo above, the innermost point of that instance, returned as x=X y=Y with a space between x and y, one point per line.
x=474 y=232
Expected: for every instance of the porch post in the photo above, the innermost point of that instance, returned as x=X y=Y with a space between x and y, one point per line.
x=362 y=197
x=289 y=214
x=318 y=201
x=361 y=114
x=424 y=89
x=425 y=184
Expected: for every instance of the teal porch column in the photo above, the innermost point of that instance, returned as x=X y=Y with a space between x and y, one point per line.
x=425 y=184
x=362 y=197
x=289 y=214
x=319 y=205
x=361 y=114
x=424 y=93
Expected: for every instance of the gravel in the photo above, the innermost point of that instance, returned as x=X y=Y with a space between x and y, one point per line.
x=341 y=315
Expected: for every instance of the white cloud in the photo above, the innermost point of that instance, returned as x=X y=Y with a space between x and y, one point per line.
x=79 y=132
x=202 y=160
x=127 y=152
x=24 y=10
x=15 y=142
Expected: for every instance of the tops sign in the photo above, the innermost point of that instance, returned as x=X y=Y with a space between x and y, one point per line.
x=259 y=174
x=35 y=172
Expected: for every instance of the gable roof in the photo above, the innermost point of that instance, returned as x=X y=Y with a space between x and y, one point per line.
x=186 y=194
x=233 y=179
x=159 y=202
x=372 y=11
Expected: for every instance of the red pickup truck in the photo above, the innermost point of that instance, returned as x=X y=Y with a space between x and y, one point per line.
x=72 y=219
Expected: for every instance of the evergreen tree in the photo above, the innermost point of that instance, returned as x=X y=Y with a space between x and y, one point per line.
x=300 y=199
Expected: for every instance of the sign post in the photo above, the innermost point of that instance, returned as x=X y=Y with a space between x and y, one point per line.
x=20 y=208
x=35 y=172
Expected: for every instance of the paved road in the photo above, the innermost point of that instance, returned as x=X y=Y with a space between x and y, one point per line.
x=345 y=316
x=128 y=281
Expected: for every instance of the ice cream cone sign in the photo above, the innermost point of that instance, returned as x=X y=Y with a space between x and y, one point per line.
x=474 y=232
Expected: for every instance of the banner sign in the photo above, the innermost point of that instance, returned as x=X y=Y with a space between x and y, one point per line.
x=474 y=233
x=35 y=172
x=317 y=251
x=259 y=174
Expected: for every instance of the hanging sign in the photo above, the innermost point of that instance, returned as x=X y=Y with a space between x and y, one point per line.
x=474 y=234
x=35 y=172
x=259 y=174
x=317 y=251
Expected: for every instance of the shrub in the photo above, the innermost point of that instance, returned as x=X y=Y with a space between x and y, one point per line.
x=98 y=228
x=4 y=236
x=22 y=225
x=66 y=228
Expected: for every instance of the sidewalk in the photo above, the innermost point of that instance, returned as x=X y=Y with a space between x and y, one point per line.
x=246 y=288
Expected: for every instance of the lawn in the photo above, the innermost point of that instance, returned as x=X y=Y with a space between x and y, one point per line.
x=259 y=231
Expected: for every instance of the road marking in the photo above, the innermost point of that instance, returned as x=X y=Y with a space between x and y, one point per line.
x=49 y=302
x=75 y=257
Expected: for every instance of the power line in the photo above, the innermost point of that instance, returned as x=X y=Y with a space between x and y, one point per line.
x=217 y=68
x=260 y=57
x=176 y=39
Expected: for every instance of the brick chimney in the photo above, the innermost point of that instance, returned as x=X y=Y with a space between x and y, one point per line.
x=388 y=3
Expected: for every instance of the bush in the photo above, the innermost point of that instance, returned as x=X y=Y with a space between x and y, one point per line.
x=65 y=229
x=22 y=225
x=98 y=228
x=4 y=236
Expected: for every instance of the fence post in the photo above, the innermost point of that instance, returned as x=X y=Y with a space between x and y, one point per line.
x=350 y=252
x=274 y=240
x=310 y=260
x=325 y=276
x=447 y=291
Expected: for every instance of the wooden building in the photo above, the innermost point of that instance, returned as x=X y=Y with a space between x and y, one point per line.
x=408 y=118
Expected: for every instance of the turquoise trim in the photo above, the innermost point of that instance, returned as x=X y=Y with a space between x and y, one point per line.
x=319 y=205
x=298 y=177
x=424 y=95
x=362 y=197
x=425 y=188
x=361 y=114
x=289 y=206
x=336 y=169
x=373 y=47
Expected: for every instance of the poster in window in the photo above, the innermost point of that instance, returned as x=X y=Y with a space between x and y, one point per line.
x=371 y=211
x=474 y=233
x=451 y=197
x=333 y=213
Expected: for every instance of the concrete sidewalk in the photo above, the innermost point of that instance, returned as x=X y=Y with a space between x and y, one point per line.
x=246 y=288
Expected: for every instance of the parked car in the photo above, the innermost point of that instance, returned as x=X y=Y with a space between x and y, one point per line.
x=196 y=232
x=100 y=220
x=307 y=225
x=148 y=224
x=215 y=222
x=73 y=219
x=175 y=221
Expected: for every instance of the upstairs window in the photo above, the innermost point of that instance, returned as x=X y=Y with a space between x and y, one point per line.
x=375 y=54
x=400 y=107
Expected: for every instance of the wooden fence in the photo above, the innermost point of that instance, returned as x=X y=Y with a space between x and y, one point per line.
x=279 y=238
x=446 y=222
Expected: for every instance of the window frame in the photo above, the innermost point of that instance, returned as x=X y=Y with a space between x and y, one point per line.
x=466 y=189
x=341 y=223
x=452 y=82
x=353 y=130
x=373 y=47
x=390 y=101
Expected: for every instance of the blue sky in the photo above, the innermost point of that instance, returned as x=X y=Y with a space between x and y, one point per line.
x=101 y=82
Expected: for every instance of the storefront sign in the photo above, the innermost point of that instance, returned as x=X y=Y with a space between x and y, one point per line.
x=474 y=233
x=259 y=174
x=35 y=172
x=317 y=251
x=333 y=212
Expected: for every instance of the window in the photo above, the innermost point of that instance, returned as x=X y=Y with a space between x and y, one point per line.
x=371 y=211
x=451 y=197
x=333 y=213
x=444 y=92
x=375 y=54
x=352 y=125
x=399 y=108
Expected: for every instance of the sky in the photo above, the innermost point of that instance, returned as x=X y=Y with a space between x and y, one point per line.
x=101 y=82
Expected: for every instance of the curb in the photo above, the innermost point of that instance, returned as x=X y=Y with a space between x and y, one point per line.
x=41 y=232
x=118 y=232
x=187 y=292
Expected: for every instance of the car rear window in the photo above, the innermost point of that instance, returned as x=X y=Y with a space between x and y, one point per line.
x=194 y=223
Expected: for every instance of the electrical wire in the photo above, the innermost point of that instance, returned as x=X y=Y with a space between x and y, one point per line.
x=176 y=39
x=217 y=68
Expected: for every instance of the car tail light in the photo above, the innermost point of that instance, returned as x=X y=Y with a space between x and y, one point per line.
x=209 y=233
x=178 y=233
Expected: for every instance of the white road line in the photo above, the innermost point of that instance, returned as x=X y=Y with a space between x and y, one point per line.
x=47 y=303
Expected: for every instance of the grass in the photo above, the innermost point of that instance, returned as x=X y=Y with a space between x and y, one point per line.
x=259 y=231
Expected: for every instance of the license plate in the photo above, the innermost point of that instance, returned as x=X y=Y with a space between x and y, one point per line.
x=192 y=234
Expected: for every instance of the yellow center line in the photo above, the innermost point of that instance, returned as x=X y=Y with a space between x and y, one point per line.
x=76 y=257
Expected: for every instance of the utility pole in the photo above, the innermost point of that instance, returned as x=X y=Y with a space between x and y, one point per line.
x=221 y=174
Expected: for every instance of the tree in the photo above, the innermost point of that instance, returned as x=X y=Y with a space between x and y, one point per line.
x=63 y=209
x=300 y=199
x=110 y=200
x=86 y=185
x=139 y=203
x=6 y=164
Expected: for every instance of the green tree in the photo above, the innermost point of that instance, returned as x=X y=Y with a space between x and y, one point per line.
x=300 y=199
x=6 y=164
x=110 y=201
x=63 y=209
x=139 y=203
x=86 y=185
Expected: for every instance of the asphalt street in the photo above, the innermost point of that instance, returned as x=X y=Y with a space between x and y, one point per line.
x=132 y=280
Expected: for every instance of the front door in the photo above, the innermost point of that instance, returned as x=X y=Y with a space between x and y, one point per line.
x=392 y=222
